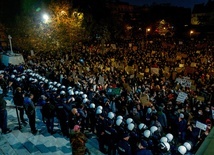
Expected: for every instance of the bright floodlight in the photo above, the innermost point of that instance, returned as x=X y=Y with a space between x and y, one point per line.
x=45 y=17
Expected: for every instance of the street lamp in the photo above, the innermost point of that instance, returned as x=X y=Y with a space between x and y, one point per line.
x=45 y=18
x=191 y=32
x=147 y=31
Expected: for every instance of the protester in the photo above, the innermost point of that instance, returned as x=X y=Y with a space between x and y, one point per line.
x=144 y=84
x=78 y=140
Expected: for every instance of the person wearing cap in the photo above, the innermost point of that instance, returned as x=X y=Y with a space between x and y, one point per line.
x=123 y=147
x=3 y=114
x=142 y=148
x=77 y=141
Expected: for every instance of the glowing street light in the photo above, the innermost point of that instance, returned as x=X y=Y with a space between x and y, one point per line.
x=45 y=18
x=147 y=31
x=191 y=32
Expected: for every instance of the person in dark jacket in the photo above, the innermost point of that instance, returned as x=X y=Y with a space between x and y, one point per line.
x=3 y=114
x=18 y=99
x=49 y=114
x=142 y=148
x=30 y=111
x=123 y=147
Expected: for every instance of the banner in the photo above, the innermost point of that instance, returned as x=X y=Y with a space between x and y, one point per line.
x=113 y=91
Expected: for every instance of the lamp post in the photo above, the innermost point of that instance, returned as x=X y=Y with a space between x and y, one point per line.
x=147 y=31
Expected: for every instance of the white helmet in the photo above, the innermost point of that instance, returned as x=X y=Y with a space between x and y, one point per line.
x=111 y=115
x=62 y=92
x=84 y=96
x=188 y=145
x=13 y=76
x=92 y=105
x=58 y=85
x=55 y=89
x=62 y=87
x=50 y=82
x=76 y=92
x=100 y=107
x=85 y=100
x=71 y=92
x=164 y=146
x=119 y=117
x=54 y=82
x=18 y=79
x=169 y=136
x=131 y=126
x=46 y=81
x=147 y=133
x=98 y=111
x=142 y=126
x=72 y=99
x=163 y=139
x=81 y=93
x=69 y=88
x=129 y=120
x=23 y=77
x=118 y=122
x=182 y=149
x=153 y=129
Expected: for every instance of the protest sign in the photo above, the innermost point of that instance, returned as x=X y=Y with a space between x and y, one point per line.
x=181 y=97
x=201 y=126
x=193 y=64
x=101 y=80
x=155 y=71
x=181 y=65
x=200 y=98
x=144 y=100
x=185 y=82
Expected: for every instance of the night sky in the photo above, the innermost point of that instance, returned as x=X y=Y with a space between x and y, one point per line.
x=180 y=3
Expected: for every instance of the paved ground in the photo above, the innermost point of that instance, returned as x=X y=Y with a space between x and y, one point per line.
x=23 y=142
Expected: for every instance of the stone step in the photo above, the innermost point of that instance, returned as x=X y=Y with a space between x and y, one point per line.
x=23 y=142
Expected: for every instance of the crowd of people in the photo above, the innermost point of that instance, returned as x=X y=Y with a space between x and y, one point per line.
x=131 y=98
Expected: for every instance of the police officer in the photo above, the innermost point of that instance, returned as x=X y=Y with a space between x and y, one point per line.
x=142 y=148
x=92 y=117
x=100 y=126
x=110 y=135
x=119 y=127
x=124 y=148
x=134 y=137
